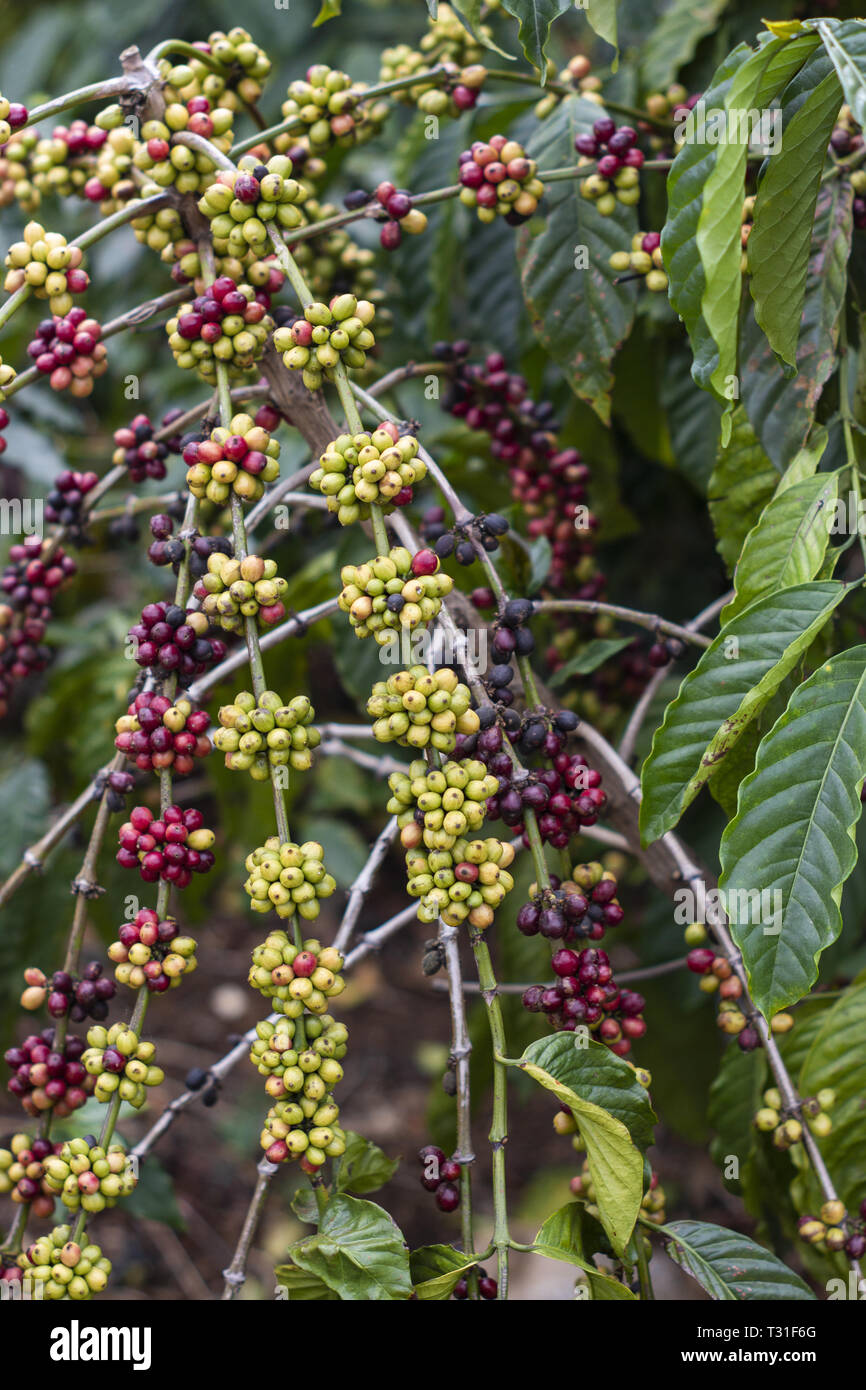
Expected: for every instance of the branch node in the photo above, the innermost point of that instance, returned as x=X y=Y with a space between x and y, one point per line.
x=32 y=860
x=86 y=888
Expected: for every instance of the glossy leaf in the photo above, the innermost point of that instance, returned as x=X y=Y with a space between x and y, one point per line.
x=561 y=1238
x=729 y=1266
x=357 y=1251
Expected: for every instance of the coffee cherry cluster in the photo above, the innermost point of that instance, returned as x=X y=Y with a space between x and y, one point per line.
x=547 y=481
x=586 y=995
x=420 y=707
x=256 y=735
x=580 y=907
x=69 y=352
x=577 y=74
x=156 y=734
x=114 y=786
x=35 y=570
x=645 y=259
x=172 y=639
x=149 y=951
x=233 y=590
x=327 y=335
x=384 y=466
x=88 y=1176
x=137 y=449
x=66 y=1268
x=439 y=806
x=244 y=68
x=12 y=115
x=289 y=878
x=166 y=162
x=834 y=1229
x=242 y=203
x=287 y=1069
x=168 y=549
x=487 y=1286
x=564 y=796
x=499 y=181
x=786 y=1126
x=465 y=883
x=616 y=178
x=229 y=323
x=172 y=848
x=48 y=1079
x=441 y=1176
x=64 y=503
x=447 y=44
x=60 y=163
x=64 y=994
x=22 y=1173
x=325 y=103
x=401 y=216
x=121 y=1062
x=51 y=268
x=295 y=978
x=393 y=591
x=718 y=977
x=487 y=529
x=240 y=459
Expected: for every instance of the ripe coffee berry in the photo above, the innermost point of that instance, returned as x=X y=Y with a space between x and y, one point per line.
x=65 y=1268
x=326 y=335
x=499 y=180
x=239 y=459
x=47 y=1079
x=171 y=639
x=402 y=217
x=173 y=847
x=12 y=115
x=487 y=1287
x=419 y=707
x=233 y=590
x=64 y=502
x=65 y=994
x=441 y=1176
x=28 y=584
x=258 y=735
x=384 y=469
x=69 y=352
x=229 y=324
x=121 y=1062
x=137 y=450
x=296 y=977
x=156 y=734
x=152 y=952
x=22 y=1173
x=289 y=878
x=393 y=592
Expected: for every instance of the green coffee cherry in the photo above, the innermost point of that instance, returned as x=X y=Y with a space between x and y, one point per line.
x=256 y=737
x=418 y=708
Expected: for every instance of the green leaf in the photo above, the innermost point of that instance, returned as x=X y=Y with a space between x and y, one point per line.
x=674 y=38
x=153 y=1198
x=793 y=835
x=701 y=239
x=731 y=683
x=535 y=18
x=363 y=1167
x=845 y=44
x=602 y=18
x=303 y=1287
x=593 y=655
x=780 y=241
x=436 y=1270
x=742 y=482
x=782 y=410
x=471 y=13
x=693 y=418
x=579 y=315
x=561 y=1238
x=735 y=1096
x=25 y=801
x=788 y=543
x=615 y=1118
x=358 y=1251
x=837 y=1058
x=729 y=1266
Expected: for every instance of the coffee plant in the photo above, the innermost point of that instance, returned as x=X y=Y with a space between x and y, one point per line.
x=374 y=429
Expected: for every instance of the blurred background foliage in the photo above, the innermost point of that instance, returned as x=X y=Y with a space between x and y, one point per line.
x=460 y=279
